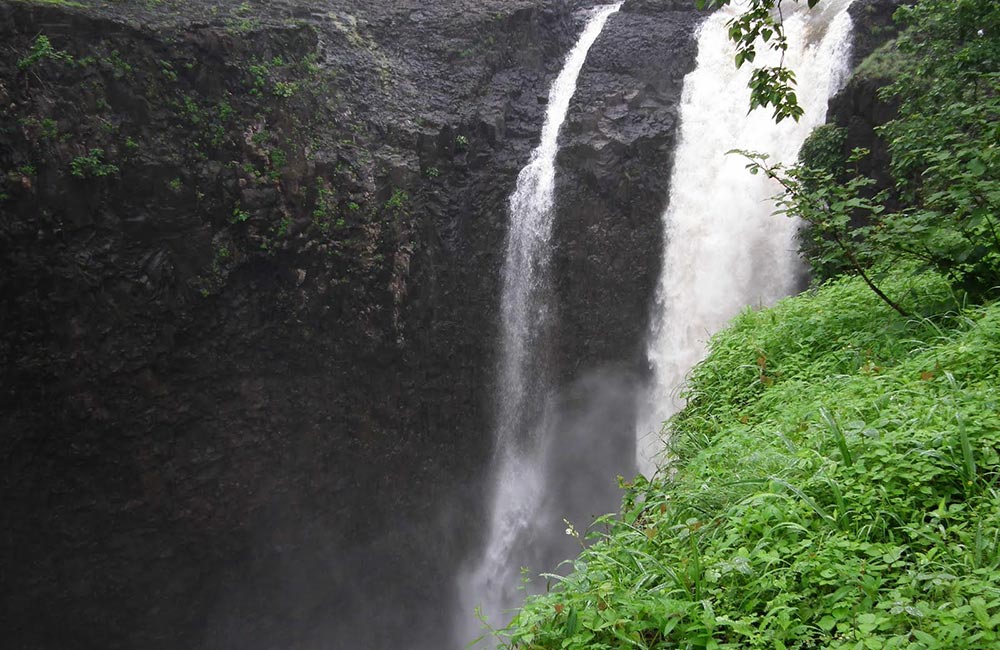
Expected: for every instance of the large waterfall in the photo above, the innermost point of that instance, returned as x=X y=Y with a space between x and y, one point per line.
x=522 y=382
x=724 y=249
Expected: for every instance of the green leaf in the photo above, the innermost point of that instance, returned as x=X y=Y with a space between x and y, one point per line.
x=977 y=167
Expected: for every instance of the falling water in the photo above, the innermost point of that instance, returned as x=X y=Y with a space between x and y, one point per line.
x=522 y=381
x=724 y=249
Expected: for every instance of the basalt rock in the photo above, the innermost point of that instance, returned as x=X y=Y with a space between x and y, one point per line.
x=858 y=107
x=250 y=265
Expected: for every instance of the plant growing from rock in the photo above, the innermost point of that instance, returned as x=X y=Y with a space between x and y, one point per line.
x=42 y=50
x=92 y=165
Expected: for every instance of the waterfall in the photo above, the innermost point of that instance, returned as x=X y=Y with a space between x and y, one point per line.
x=522 y=383
x=724 y=249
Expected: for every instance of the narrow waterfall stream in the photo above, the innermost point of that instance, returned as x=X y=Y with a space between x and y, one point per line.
x=522 y=382
x=724 y=249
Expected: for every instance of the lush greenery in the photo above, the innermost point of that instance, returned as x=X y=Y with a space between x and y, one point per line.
x=834 y=478
x=945 y=161
x=836 y=488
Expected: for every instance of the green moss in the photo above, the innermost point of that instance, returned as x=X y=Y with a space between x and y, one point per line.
x=887 y=62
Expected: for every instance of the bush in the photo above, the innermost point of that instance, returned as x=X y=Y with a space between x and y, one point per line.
x=92 y=165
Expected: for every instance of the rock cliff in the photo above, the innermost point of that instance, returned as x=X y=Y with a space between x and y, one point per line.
x=250 y=265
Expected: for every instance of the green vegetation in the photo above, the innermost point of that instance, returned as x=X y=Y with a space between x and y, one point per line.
x=324 y=214
x=761 y=22
x=836 y=487
x=284 y=89
x=261 y=76
x=41 y=50
x=240 y=215
x=92 y=165
x=243 y=22
x=834 y=481
x=945 y=162
x=397 y=201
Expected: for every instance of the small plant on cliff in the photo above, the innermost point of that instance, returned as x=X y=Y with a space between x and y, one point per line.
x=240 y=215
x=284 y=89
x=42 y=49
x=324 y=213
x=397 y=201
x=92 y=165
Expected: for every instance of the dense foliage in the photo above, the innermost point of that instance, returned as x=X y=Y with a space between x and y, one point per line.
x=836 y=488
x=945 y=146
x=835 y=473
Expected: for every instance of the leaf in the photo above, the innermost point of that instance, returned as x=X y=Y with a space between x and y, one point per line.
x=572 y=622
x=976 y=167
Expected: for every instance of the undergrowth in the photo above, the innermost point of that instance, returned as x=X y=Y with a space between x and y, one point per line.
x=835 y=486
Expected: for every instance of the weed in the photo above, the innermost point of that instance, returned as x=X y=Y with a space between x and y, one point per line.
x=92 y=165
x=121 y=67
x=167 y=70
x=397 y=201
x=284 y=227
x=41 y=50
x=239 y=215
x=284 y=89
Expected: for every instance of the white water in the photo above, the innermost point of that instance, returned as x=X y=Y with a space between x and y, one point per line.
x=525 y=312
x=724 y=249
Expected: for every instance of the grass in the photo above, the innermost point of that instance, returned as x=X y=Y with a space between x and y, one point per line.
x=835 y=487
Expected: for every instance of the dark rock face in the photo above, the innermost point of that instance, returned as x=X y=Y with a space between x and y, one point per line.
x=614 y=166
x=858 y=107
x=248 y=300
x=873 y=26
x=615 y=161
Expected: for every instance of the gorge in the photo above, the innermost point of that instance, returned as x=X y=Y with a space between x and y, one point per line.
x=253 y=301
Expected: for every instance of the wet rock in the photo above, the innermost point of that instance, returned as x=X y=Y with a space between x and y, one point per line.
x=245 y=403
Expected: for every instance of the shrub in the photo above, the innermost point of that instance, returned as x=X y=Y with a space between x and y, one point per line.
x=92 y=165
x=42 y=49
